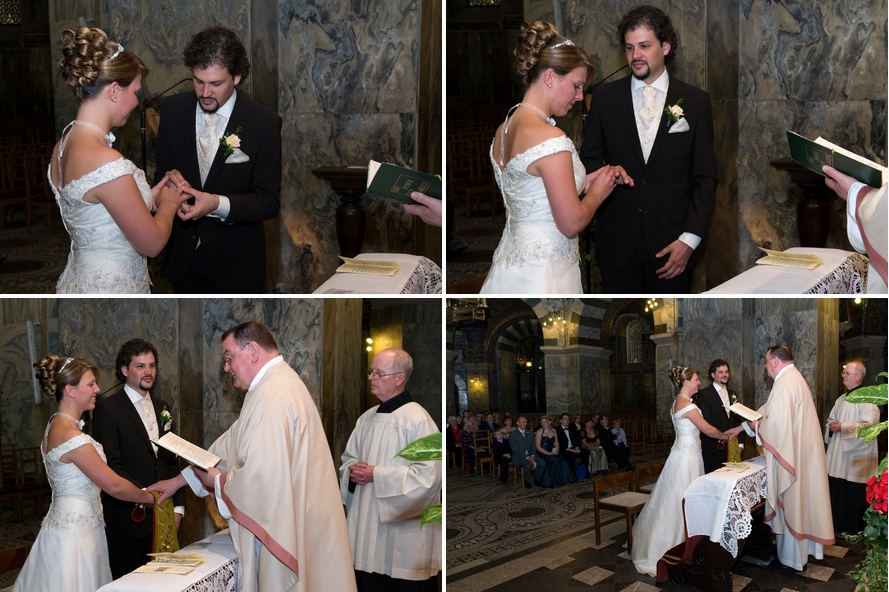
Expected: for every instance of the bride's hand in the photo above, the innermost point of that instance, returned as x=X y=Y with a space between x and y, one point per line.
x=168 y=194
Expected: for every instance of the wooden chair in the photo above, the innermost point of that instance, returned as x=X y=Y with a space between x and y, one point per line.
x=41 y=200
x=484 y=454
x=31 y=480
x=646 y=473
x=12 y=559
x=469 y=173
x=452 y=459
x=629 y=502
x=7 y=464
x=652 y=440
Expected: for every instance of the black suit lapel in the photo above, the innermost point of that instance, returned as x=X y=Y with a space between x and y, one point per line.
x=191 y=146
x=673 y=95
x=628 y=115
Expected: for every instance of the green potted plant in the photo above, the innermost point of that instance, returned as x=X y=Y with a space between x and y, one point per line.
x=871 y=572
x=426 y=448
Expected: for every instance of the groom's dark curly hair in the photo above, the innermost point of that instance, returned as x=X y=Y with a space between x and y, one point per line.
x=128 y=351
x=654 y=19
x=217 y=45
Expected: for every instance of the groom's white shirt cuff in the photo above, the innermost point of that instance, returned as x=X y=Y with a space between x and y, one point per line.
x=692 y=240
x=225 y=208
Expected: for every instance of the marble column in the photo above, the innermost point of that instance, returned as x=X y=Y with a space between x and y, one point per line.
x=343 y=380
x=667 y=353
x=577 y=379
x=450 y=387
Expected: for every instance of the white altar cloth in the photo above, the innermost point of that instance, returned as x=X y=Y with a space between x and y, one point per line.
x=718 y=504
x=218 y=574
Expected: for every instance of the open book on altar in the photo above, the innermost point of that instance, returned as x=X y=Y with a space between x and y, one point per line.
x=195 y=455
x=782 y=259
x=745 y=412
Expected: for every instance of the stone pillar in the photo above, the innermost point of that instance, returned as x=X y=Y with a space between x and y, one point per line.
x=450 y=386
x=666 y=355
x=577 y=379
x=342 y=375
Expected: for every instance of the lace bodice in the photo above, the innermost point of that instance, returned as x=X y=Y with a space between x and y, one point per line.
x=688 y=437
x=531 y=231
x=102 y=260
x=75 y=499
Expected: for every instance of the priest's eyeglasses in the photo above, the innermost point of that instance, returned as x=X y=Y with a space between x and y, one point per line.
x=378 y=375
x=227 y=358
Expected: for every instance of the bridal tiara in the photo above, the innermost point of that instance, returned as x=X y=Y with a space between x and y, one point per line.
x=560 y=44
x=116 y=53
x=67 y=361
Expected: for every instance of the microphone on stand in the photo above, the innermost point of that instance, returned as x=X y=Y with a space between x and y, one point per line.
x=152 y=103
x=585 y=106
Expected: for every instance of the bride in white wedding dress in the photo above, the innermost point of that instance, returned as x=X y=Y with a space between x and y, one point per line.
x=661 y=524
x=104 y=200
x=539 y=173
x=70 y=552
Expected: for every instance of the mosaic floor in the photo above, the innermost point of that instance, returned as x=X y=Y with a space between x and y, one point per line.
x=509 y=539
x=31 y=260
x=478 y=235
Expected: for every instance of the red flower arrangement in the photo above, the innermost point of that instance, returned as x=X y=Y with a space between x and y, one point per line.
x=877 y=492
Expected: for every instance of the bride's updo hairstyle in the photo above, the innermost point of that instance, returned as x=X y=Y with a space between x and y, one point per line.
x=536 y=53
x=680 y=374
x=90 y=62
x=55 y=373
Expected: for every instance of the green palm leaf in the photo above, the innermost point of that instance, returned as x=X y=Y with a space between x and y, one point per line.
x=426 y=448
x=432 y=514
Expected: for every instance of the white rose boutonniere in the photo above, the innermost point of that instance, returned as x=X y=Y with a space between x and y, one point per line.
x=675 y=115
x=166 y=419
x=733 y=398
x=231 y=145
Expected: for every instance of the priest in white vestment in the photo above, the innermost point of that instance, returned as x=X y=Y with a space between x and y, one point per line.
x=850 y=460
x=866 y=213
x=385 y=495
x=797 y=497
x=277 y=485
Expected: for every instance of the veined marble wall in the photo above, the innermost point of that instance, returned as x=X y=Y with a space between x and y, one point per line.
x=814 y=67
x=343 y=76
x=577 y=379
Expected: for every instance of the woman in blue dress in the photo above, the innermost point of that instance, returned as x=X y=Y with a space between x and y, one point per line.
x=552 y=468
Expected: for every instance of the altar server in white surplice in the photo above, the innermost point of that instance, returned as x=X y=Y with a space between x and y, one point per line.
x=797 y=499
x=850 y=460
x=385 y=495
x=277 y=484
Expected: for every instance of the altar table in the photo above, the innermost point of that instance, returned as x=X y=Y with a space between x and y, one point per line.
x=718 y=510
x=218 y=574
x=417 y=275
x=843 y=272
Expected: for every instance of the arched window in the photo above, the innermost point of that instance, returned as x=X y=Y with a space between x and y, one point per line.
x=634 y=342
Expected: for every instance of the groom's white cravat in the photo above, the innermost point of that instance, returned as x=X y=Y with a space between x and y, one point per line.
x=208 y=143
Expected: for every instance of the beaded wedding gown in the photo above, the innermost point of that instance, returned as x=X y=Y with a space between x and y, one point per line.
x=661 y=524
x=70 y=552
x=533 y=256
x=102 y=260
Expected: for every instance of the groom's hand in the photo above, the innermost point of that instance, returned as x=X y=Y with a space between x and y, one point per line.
x=679 y=253
x=204 y=203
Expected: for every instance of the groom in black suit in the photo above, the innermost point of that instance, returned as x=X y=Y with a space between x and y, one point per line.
x=122 y=423
x=713 y=402
x=218 y=242
x=646 y=234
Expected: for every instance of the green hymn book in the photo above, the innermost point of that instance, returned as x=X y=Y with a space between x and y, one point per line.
x=815 y=154
x=395 y=182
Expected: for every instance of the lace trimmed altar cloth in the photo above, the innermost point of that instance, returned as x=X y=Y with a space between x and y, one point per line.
x=418 y=275
x=218 y=574
x=843 y=272
x=718 y=504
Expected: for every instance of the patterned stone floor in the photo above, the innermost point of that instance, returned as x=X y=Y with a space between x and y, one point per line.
x=479 y=235
x=509 y=539
x=31 y=260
